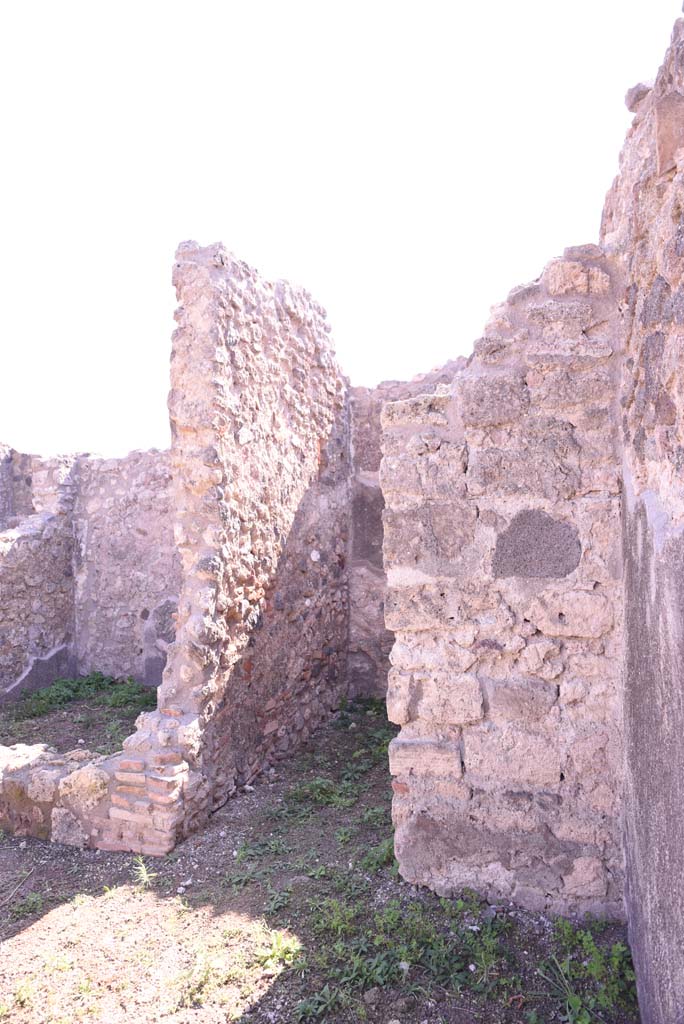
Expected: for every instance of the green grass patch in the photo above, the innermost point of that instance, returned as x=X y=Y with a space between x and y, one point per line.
x=96 y=688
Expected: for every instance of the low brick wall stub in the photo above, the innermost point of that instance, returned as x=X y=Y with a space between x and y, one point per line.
x=82 y=799
x=502 y=549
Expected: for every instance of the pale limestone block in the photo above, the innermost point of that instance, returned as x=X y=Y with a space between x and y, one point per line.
x=521 y=700
x=587 y=878
x=424 y=756
x=425 y=410
x=67 y=829
x=573 y=613
x=84 y=788
x=42 y=784
x=486 y=400
x=504 y=757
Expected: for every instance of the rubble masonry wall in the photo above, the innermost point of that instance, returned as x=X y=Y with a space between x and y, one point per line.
x=260 y=476
x=36 y=571
x=126 y=566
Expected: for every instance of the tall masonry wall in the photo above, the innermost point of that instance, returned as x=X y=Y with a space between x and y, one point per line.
x=502 y=548
x=643 y=227
x=259 y=424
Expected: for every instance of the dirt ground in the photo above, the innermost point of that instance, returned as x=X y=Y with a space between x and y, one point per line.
x=288 y=908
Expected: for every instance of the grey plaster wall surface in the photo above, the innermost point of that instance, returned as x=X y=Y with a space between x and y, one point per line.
x=643 y=228
x=535 y=545
x=654 y=727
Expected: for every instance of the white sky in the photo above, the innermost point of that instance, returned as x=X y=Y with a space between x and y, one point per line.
x=407 y=162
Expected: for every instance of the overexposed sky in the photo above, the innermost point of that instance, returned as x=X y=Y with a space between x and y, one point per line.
x=407 y=162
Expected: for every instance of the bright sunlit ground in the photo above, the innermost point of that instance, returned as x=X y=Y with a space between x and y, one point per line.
x=408 y=163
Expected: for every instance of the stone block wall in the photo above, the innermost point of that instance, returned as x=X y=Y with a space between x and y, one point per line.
x=369 y=640
x=502 y=549
x=643 y=228
x=127 y=569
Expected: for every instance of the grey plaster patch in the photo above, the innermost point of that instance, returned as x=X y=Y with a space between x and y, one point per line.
x=367 y=506
x=41 y=672
x=536 y=545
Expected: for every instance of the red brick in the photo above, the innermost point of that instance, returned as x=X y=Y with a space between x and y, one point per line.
x=131 y=778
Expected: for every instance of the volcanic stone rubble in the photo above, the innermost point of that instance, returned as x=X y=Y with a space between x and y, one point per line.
x=517 y=548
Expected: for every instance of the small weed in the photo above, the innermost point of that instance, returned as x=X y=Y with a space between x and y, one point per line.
x=319 y=872
x=326 y=793
x=60 y=962
x=31 y=904
x=284 y=951
x=277 y=900
x=486 y=956
x=344 y=835
x=24 y=993
x=375 y=816
x=330 y=915
x=349 y=884
x=318 y=1004
x=142 y=876
x=240 y=879
x=252 y=851
x=558 y=977
x=379 y=856
x=604 y=974
x=101 y=689
x=194 y=985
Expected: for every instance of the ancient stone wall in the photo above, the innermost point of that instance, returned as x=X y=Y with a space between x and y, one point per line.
x=36 y=598
x=369 y=640
x=6 y=489
x=15 y=486
x=127 y=569
x=89 y=573
x=260 y=481
x=643 y=227
x=502 y=547
x=36 y=575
